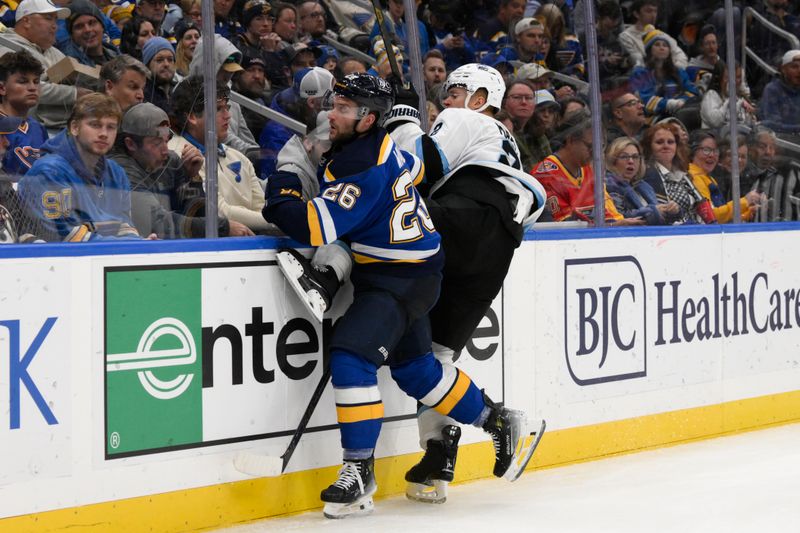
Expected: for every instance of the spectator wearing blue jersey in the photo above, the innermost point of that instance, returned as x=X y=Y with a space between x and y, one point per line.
x=395 y=24
x=87 y=42
x=73 y=190
x=20 y=75
x=448 y=22
x=663 y=87
x=780 y=102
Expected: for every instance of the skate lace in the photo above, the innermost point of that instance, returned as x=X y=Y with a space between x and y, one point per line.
x=349 y=475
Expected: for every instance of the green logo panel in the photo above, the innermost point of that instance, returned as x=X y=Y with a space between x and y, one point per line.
x=153 y=360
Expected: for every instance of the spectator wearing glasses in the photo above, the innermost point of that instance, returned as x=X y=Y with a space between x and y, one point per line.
x=632 y=195
x=167 y=196
x=705 y=156
x=240 y=195
x=627 y=117
x=519 y=102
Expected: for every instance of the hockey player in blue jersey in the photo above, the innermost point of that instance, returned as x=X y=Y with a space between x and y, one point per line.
x=368 y=200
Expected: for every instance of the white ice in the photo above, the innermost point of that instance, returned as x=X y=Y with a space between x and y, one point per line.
x=749 y=482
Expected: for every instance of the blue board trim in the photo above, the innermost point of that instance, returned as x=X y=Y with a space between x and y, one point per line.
x=230 y=244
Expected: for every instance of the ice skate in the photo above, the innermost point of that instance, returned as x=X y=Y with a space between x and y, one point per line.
x=314 y=285
x=513 y=443
x=351 y=494
x=428 y=479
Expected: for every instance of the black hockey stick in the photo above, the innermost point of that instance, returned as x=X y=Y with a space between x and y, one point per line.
x=270 y=466
x=387 y=42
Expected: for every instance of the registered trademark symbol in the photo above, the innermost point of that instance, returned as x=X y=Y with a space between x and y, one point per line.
x=114 y=440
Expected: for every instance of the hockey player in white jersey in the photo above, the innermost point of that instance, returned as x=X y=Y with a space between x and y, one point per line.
x=481 y=202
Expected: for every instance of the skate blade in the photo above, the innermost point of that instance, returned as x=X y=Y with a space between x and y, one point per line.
x=362 y=506
x=436 y=492
x=526 y=445
x=293 y=271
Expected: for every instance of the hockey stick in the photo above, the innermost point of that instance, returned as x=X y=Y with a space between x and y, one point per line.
x=270 y=466
x=387 y=43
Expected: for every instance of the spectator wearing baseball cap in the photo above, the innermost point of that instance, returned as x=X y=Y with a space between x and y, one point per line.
x=159 y=58
x=35 y=32
x=538 y=76
x=252 y=83
x=779 y=109
x=300 y=56
x=529 y=34
x=167 y=196
x=547 y=111
x=227 y=62
x=302 y=102
x=87 y=43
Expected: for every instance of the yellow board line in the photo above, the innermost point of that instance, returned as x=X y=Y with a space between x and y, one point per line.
x=244 y=501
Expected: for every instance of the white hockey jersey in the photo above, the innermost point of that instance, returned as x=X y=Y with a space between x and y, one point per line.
x=464 y=137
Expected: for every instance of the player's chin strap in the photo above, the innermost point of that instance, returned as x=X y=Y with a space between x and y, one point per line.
x=400 y=114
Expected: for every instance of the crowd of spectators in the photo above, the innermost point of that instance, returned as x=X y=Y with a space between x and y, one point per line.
x=119 y=154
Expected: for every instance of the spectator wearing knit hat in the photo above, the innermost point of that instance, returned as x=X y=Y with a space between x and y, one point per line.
x=88 y=43
x=645 y=12
x=260 y=39
x=187 y=34
x=159 y=57
x=779 y=108
x=663 y=87
x=252 y=83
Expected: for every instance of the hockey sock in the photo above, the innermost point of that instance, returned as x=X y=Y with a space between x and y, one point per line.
x=358 y=454
x=444 y=388
x=430 y=424
x=359 y=409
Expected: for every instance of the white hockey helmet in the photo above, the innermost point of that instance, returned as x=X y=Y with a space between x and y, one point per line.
x=474 y=76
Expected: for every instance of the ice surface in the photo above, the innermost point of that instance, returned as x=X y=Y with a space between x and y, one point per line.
x=748 y=482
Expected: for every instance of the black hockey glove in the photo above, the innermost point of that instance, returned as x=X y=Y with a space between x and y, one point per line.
x=406 y=102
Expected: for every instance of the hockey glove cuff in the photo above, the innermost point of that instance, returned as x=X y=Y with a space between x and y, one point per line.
x=400 y=114
x=283 y=187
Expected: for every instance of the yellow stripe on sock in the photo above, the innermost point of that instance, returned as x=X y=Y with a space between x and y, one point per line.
x=454 y=396
x=347 y=414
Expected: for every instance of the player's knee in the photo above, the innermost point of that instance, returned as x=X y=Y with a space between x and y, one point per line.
x=351 y=370
x=417 y=376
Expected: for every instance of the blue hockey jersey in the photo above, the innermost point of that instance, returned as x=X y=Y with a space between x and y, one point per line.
x=73 y=203
x=368 y=198
x=23 y=146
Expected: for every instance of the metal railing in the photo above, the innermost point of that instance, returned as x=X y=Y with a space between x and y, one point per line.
x=751 y=14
